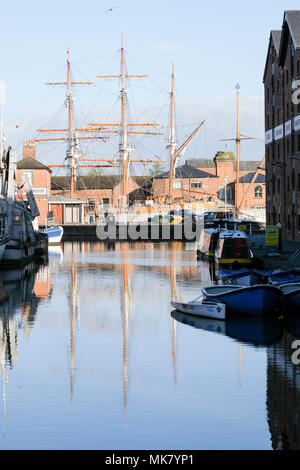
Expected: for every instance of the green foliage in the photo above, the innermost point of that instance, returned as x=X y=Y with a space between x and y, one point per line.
x=156 y=169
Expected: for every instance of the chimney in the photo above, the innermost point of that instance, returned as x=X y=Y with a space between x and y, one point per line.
x=29 y=149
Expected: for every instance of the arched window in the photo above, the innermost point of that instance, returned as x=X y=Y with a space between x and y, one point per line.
x=258 y=192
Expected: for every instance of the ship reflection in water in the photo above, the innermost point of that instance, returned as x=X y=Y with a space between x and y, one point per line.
x=92 y=357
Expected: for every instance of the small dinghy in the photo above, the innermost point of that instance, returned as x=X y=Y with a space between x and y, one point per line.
x=291 y=296
x=202 y=308
x=255 y=300
x=54 y=234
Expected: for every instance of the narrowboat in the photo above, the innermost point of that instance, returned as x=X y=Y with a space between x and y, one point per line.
x=207 y=243
x=233 y=249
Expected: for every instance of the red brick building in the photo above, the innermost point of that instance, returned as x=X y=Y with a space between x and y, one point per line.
x=282 y=126
x=196 y=180
x=39 y=176
x=201 y=179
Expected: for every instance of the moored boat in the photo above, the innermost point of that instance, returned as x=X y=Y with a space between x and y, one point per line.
x=291 y=296
x=202 y=308
x=54 y=234
x=284 y=277
x=233 y=249
x=256 y=300
x=207 y=243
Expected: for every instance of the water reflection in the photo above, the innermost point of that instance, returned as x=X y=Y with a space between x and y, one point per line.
x=119 y=295
x=283 y=392
x=252 y=331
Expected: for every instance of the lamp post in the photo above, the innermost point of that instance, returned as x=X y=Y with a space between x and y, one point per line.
x=225 y=181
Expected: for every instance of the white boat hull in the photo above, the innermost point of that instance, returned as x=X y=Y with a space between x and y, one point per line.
x=54 y=234
x=202 y=309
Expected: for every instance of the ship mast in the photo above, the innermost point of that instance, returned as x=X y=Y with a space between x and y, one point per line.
x=124 y=150
x=70 y=150
x=125 y=130
x=72 y=154
x=237 y=140
x=172 y=144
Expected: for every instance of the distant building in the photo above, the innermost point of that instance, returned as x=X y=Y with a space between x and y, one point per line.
x=282 y=126
x=39 y=176
x=207 y=179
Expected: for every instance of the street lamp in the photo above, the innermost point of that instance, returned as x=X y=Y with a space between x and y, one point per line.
x=225 y=181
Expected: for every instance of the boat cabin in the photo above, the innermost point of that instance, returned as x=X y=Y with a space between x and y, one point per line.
x=208 y=243
x=233 y=247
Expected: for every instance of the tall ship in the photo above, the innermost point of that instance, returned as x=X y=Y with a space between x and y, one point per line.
x=122 y=164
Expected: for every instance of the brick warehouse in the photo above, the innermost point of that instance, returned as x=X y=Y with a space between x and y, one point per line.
x=282 y=126
x=200 y=179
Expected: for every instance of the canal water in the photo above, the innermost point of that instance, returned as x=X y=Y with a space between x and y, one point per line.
x=91 y=358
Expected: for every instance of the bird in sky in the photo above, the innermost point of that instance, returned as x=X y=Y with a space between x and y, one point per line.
x=110 y=9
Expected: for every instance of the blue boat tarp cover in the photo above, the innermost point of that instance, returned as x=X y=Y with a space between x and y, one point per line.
x=232 y=273
x=284 y=277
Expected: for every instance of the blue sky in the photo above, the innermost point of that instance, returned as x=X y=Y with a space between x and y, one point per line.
x=214 y=45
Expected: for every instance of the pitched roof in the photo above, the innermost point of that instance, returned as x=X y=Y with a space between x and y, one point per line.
x=275 y=38
x=291 y=25
x=86 y=182
x=29 y=163
x=95 y=182
x=186 y=171
x=249 y=177
x=292 y=18
x=248 y=165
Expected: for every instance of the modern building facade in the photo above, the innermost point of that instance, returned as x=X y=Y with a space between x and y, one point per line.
x=282 y=126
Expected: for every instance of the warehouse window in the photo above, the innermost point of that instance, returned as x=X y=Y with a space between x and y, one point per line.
x=177 y=184
x=91 y=204
x=196 y=184
x=258 y=192
x=29 y=175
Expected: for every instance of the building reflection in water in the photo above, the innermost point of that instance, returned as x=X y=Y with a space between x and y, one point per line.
x=21 y=292
x=283 y=390
x=283 y=378
x=175 y=269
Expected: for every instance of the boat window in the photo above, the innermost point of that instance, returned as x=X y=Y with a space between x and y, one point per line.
x=233 y=248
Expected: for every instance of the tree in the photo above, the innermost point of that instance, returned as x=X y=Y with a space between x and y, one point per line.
x=156 y=169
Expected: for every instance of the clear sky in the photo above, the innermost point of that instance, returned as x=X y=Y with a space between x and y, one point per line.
x=213 y=44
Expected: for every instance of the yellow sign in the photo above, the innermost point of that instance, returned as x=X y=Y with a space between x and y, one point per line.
x=272 y=235
x=242 y=227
